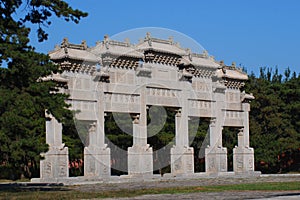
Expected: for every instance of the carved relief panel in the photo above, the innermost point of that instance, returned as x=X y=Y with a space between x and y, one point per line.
x=122 y=76
x=201 y=86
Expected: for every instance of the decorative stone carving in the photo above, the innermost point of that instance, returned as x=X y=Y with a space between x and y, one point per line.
x=140 y=155
x=148 y=38
x=250 y=164
x=106 y=41
x=211 y=164
x=243 y=155
x=223 y=164
x=239 y=161
x=96 y=154
x=140 y=160
x=182 y=160
x=55 y=163
x=132 y=77
x=47 y=169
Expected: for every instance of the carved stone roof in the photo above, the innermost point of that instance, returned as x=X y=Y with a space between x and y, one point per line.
x=246 y=97
x=76 y=54
x=231 y=73
x=55 y=77
x=108 y=51
x=160 y=45
x=72 y=51
x=200 y=60
x=115 y=48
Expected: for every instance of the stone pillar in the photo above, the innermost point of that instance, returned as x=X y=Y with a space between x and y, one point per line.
x=243 y=155
x=215 y=154
x=182 y=156
x=140 y=155
x=56 y=163
x=97 y=154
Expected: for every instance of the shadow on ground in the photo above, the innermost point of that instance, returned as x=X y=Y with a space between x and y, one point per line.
x=24 y=187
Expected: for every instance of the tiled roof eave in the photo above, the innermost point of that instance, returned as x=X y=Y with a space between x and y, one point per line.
x=73 y=58
x=204 y=66
x=235 y=78
x=162 y=51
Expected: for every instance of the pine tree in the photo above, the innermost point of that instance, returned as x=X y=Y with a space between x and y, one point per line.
x=274 y=120
x=24 y=97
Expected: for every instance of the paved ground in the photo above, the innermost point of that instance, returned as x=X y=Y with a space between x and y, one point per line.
x=202 y=182
x=220 y=196
x=167 y=183
x=185 y=182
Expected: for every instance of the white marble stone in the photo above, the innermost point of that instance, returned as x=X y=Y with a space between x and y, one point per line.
x=215 y=160
x=97 y=162
x=140 y=160
x=182 y=160
x=243 y=159
x=140 y=155
x=56 y=161
x=133 y=77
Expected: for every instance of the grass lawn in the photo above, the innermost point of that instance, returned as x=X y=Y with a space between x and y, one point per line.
x=68 y=193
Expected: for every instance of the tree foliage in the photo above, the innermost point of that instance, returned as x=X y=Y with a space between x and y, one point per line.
x=274 y=120
x=24 y=97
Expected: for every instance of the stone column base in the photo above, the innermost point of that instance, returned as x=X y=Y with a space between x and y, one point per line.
x=182 y=160
x=56 y=164
x=215 y=160
x=97 y=162
x=243 y=160
x=140 y=160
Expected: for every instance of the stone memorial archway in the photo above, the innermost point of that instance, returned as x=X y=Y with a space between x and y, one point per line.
x=131 y=78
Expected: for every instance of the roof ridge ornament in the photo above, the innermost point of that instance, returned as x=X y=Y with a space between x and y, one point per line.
x=171 y=40
x=65 y=42
x=205 y=53
x=106 y=41
x=233 y=65
x=66 y=50
x=177 y=44
x=127 y=41
x=189 y=52
x=56 y=47
x=84 y=45
x=148 y=38
x=222 y=63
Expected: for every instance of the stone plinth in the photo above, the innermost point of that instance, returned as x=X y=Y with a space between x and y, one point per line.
x=243 y=160
x=56 y=164
x=97 y=162
x=182 y=160
x=215 y=160
x=140 y=161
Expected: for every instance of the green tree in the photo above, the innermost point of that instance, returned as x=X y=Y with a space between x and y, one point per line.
x=24 y=97
x=274 y=119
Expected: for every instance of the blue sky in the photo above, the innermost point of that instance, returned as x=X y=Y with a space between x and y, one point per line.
x=252 y=33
